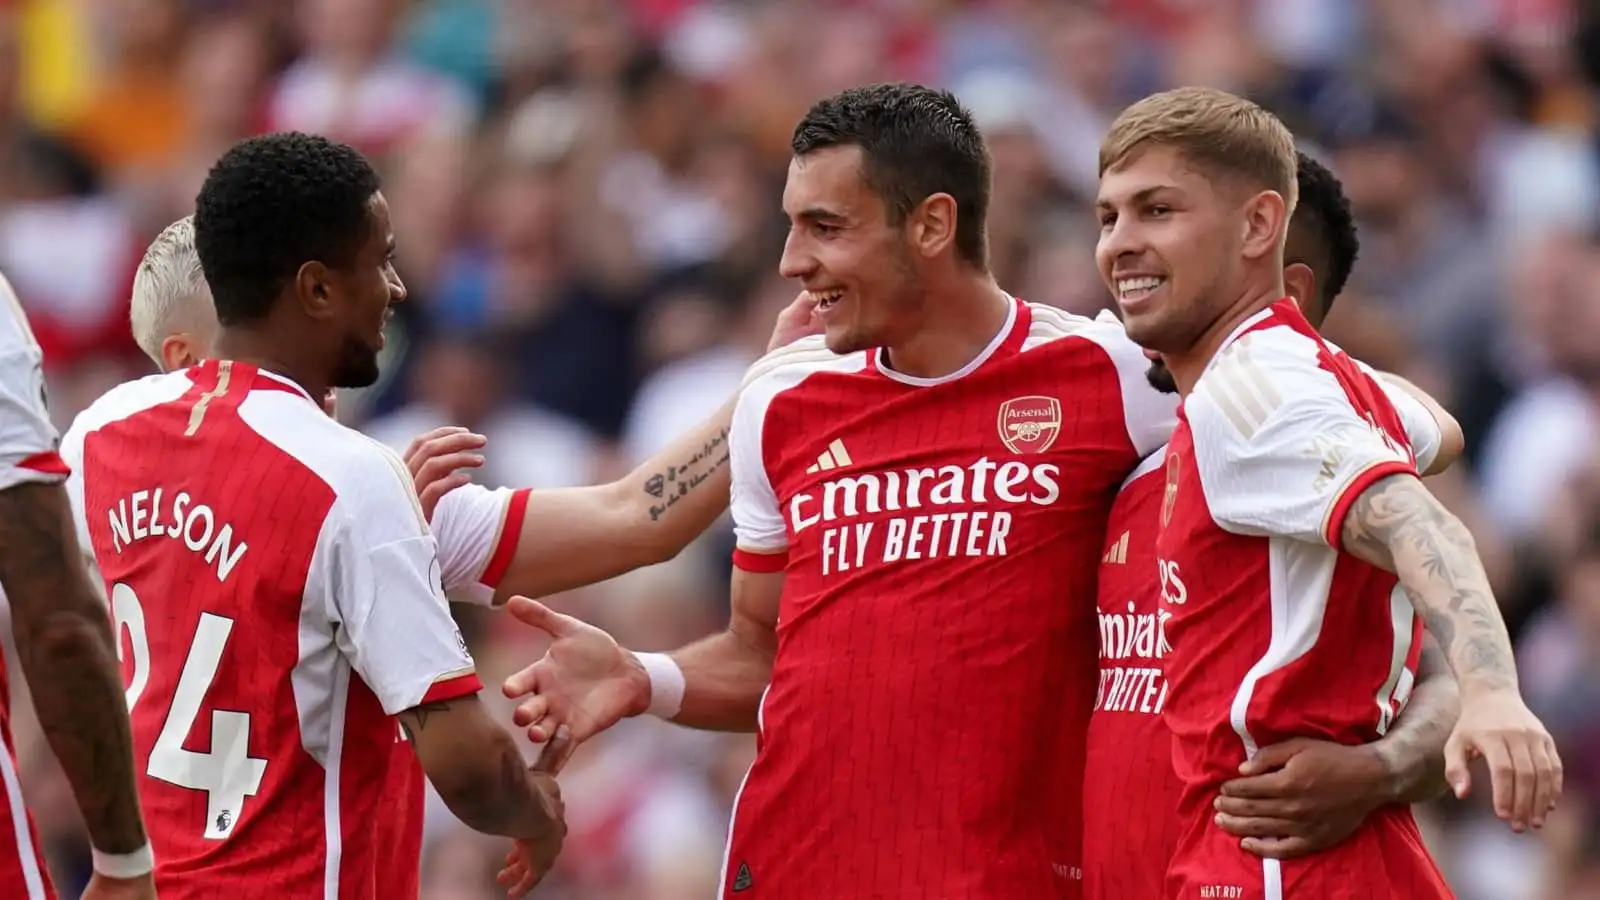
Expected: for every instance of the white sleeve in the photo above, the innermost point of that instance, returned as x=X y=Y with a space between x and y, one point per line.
x=28 y=440
x=1280 y=449
x=1422 y=429
x=478 y=530
x=380 y=581
x=758 y=523
x=1149 y=414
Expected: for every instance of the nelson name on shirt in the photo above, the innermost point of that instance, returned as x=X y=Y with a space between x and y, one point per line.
x=148 y=514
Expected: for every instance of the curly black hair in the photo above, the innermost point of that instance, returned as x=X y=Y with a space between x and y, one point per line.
x=1324 y=211
x=271 y=204
x=915 y=141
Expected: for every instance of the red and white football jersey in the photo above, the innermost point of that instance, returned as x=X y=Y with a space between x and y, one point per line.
x=923 y=732
x=1130 y=789
x=27 y=454
x=1275 y=632
x=280 y=596
x=477 y=530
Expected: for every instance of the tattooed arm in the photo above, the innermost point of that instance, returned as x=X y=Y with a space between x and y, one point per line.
x=479 y=773
x=577 y=536
x=69 y=658
x=1398 y=525
x=1413 y=750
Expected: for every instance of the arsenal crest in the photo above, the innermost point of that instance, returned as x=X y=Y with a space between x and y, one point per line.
x=1030 y=424
x=1171 y=497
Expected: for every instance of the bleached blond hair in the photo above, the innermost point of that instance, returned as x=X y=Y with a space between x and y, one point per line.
x=170 y=293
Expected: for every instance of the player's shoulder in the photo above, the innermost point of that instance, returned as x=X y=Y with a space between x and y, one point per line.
x=16 y=335
x=128 y=399
x=792 y=365
x=803 y=357
x=1050 y=326
x=1147 y=470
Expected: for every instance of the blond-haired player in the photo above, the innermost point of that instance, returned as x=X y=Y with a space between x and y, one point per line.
x=1299 y=552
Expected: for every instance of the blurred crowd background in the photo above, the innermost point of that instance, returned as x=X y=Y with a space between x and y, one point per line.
x=586 y=194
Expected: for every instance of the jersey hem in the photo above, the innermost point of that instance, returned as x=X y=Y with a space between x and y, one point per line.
x=1352 y=492
x=452 y=688
x=505 y=548
x=760 y=563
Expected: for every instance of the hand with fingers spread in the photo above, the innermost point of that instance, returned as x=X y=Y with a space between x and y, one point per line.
x=436 y=460
x=798 y=320
x=1524 y=767
x=1302 y=796
x=530 y=859
x=585 y=681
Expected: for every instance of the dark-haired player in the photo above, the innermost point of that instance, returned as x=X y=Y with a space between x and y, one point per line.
x=64 y=647
x=1314 y=793
x=273 y=570
x=919 y=498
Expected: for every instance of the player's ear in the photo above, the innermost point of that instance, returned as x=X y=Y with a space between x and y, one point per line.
x=1266 y=217
x=313 y=287
x=932 y=225
x=177 y=352
x=1301 y=283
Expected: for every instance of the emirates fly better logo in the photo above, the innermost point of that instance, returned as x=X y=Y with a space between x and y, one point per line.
x=1030 y=424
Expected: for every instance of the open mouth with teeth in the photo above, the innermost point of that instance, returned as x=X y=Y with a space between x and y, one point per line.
x=1138 y=288
x=826 y=300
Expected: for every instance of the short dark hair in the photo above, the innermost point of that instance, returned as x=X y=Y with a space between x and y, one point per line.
x=1324 y=213
x=915 y=141
x=271 y=204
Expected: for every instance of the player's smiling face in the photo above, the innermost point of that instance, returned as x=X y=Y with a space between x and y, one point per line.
x=844 y=250
x=1167 y=241
x=369 y=286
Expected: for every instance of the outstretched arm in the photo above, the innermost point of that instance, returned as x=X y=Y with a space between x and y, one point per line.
x=588 y=683
x=648 y=516
x=69 y=658
x=1398 y=525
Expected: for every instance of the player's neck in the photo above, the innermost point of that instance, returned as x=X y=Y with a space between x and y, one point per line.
x=252 y=348
x=956 y=326
x=1187 y=367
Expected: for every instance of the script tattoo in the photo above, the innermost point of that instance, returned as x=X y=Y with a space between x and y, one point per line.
x=677 y=481
x=69 y=656
x=1397 y=525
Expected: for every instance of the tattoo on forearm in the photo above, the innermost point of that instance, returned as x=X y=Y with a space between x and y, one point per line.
x=415 y=719
x=1414 y=747
x=1398 y=525
x=677 y=481
x=69 y=658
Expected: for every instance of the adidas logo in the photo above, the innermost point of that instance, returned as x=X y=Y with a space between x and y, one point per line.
x=834 y=457
x=1119 y=551
x=742 y=881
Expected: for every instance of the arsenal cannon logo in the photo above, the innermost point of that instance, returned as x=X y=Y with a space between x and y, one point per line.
x=1030 y=424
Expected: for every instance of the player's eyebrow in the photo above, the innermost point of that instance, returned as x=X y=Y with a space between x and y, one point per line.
x=816 y=214
x=1142 y=195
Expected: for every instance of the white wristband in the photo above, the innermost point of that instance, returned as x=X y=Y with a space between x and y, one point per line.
x=124 y=865
x=666 y=684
